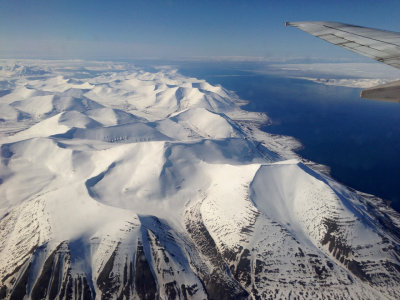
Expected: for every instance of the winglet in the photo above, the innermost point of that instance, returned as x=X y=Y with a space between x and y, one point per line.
x=385 y=92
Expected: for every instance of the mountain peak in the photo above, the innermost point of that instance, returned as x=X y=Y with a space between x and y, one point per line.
x=117 y=183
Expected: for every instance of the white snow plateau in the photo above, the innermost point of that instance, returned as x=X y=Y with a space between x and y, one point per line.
x=120 y=183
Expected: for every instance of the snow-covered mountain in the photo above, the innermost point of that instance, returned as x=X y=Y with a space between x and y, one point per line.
x=116 y=183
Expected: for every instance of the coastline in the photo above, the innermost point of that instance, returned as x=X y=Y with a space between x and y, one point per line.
x=335 y=128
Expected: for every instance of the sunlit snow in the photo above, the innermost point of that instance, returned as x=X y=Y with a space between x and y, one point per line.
x=101 y=158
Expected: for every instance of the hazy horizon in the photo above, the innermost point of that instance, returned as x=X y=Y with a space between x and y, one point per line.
x=175 y=30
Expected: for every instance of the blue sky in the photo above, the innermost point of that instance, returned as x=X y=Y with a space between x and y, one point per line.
x=179 y=29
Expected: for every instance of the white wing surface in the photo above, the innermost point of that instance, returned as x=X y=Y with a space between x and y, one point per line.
x=381 y=45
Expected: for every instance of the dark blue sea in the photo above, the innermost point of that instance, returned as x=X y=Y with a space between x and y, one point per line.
x=358 y=139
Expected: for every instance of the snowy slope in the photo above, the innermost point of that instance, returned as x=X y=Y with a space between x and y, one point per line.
x=116 y=183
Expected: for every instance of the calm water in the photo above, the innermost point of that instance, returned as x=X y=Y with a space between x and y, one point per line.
x=358 y=139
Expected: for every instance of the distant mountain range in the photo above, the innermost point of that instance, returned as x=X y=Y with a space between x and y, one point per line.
x=116 y=183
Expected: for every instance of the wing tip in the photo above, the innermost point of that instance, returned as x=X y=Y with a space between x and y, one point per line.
x=386 y=92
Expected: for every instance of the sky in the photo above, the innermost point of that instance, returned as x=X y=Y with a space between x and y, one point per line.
x=86 y=29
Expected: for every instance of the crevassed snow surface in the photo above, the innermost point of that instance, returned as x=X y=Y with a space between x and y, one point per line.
x=116 y=183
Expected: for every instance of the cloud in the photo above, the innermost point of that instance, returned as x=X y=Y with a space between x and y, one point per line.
x=357 y=75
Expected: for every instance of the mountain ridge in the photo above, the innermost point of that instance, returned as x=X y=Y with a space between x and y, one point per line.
x=116 y=183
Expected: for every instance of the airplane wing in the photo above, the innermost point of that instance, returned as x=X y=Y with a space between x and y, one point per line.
x=381 y=45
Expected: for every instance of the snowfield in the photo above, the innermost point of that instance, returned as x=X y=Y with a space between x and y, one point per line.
x=118 y=183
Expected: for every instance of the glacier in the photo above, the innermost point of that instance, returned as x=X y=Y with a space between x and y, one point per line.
x=121 y=183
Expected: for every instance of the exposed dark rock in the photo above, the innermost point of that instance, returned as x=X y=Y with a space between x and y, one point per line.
x=40 y=288
x=223 y=290
x=66 y=287
x=341 y=251
x=171 y=290
x=243 y=270
x=300 y=253
x=392 y=267
x=336 y=245
x=219 y=284
x=107 y=281
x=231 y=255
x=145 y=284
x=184 y=294
x=356 y=268
x=56 y=281
x=191 y=290
x=17 y=269
x=259 y=267
x=320 y=271
x=125 y=272
x=188 y=290
x=330 y=265
x=19 y=290
x=6 y=151
x=87 y=293
x=3 y=292
x=128 y=281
